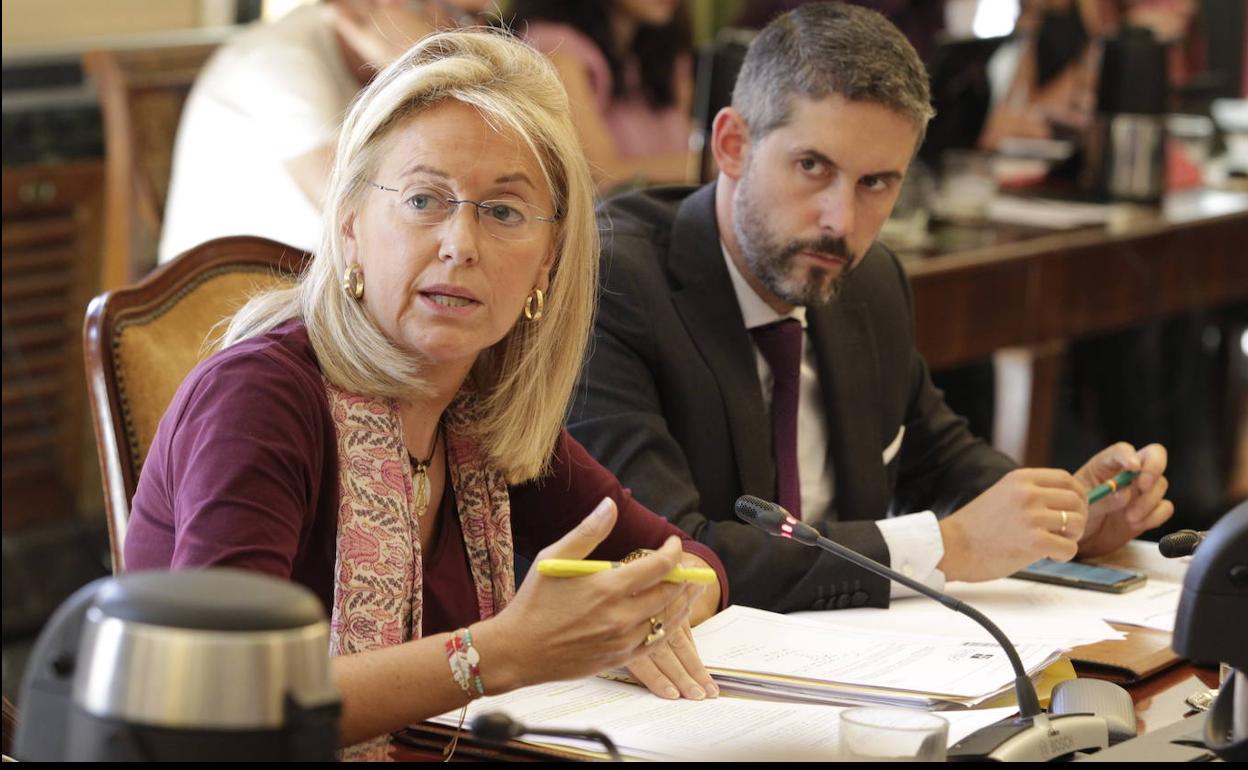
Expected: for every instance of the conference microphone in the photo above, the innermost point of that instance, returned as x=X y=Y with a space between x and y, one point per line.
x=497 y=727
x=1034 y=735
x=1181 y=543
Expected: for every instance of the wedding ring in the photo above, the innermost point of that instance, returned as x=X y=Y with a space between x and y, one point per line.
x=657 y=631
x=1065 y=518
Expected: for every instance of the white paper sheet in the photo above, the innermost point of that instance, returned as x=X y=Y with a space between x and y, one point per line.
x=1153 y=606
x=644 y=725
x=747 y=639
x=1048 y=213
x=1030 y=612
x=1024 y=614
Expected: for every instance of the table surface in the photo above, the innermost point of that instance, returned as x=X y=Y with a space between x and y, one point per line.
x=1160 y=699
x=953 y=243
x=985 y=287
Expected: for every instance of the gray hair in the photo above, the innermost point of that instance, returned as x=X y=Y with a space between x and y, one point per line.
x=820 y=49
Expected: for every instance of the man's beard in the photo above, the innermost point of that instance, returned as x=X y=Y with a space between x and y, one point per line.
x=775 y=263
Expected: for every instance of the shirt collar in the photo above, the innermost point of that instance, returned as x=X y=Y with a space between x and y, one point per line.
x=754 y=309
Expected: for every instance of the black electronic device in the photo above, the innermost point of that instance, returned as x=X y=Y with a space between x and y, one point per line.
x=497 y=727
x=1031 y=737
x=1212 y=625
x=1072 y=574
x=206 y=665
x=1181 y=543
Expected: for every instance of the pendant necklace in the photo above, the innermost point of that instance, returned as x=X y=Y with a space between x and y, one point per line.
x=420 y=474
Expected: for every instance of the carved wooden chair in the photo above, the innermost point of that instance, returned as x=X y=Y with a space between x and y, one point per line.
x=141 y=341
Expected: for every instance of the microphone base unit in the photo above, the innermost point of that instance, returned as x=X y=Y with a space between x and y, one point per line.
x=1036 y=739
x=1104 y=699
x=1182 y=741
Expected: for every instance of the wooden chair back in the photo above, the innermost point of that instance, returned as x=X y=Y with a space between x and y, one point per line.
x=141 y=341
x=142 y=92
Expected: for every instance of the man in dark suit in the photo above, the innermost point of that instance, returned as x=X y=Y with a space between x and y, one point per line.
x=754 y=339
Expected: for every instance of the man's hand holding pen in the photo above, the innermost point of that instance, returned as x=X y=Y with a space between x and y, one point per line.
x=1132 y=509
x=1036 y=513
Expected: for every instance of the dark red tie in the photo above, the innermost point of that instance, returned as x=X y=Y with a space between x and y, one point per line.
x=781 y=344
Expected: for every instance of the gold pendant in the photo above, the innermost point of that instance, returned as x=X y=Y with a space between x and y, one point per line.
x=421 y=480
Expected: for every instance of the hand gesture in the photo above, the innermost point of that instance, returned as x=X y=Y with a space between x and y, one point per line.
x=668 y=663
x=1029 y=514
x=566 y=628
x=1122 y=516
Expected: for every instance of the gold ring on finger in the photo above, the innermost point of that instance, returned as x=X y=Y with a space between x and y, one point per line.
x=1065 y=519
x=657 y=631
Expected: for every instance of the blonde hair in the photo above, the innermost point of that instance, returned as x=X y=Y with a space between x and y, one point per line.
x=525 y=380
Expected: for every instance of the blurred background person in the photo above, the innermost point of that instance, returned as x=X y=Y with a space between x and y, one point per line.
x=265 y=112
x=1045 y=81
x=628 y=68
x=921 y=21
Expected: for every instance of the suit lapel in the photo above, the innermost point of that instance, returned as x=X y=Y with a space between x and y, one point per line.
x=704 y=298
x=849 y=377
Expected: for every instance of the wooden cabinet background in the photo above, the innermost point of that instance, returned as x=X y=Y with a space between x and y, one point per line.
x=51 y=269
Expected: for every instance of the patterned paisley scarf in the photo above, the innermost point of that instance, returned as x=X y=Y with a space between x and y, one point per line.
x=378 y=582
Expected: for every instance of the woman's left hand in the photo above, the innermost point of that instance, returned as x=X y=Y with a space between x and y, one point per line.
x=670 y=666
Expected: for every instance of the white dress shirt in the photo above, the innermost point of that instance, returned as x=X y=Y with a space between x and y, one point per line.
x=914 y=543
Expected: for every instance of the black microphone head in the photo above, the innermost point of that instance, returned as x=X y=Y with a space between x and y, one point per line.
x=765 y=515
x=774 y=520
x=1181 y=543
x=496 y=726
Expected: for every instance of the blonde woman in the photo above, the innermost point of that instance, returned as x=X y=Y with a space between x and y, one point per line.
x=389 y=432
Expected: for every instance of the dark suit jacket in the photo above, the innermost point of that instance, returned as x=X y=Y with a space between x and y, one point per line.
x=671 y=402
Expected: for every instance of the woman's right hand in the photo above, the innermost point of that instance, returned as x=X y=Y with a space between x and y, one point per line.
x=568 y=628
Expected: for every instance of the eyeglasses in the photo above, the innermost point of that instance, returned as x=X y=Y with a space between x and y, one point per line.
x=507 y=220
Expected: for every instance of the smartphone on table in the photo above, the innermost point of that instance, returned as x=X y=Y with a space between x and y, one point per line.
x=1076 y=575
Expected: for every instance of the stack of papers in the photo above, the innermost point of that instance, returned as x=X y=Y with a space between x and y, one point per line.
x=1024 y=611
x=804 y=659
x=644 y=726
x=916 y=654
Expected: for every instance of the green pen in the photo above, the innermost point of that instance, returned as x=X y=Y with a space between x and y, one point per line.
x=1113 y=485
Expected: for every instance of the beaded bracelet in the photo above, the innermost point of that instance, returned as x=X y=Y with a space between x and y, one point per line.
x=465 y=663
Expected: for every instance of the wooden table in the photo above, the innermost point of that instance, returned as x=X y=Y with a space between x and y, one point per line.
x=1033 y=292
x=1162 y=699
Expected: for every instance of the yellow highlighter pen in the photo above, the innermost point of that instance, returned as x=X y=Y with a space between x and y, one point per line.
x=567 y=568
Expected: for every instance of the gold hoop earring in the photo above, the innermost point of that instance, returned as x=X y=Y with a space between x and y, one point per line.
x=353 y=282
x=529 y=312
